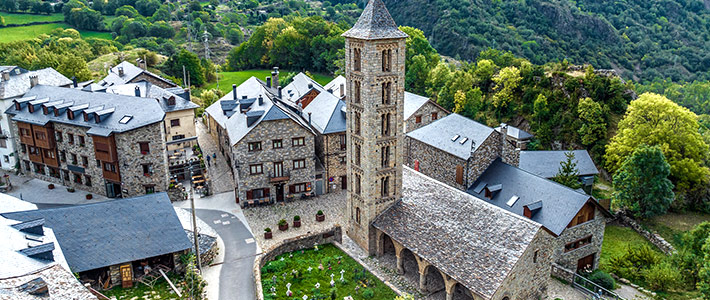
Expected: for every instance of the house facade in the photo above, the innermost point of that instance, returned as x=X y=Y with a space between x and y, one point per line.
x=420 y=111
x=126 y=72
x=96 y=142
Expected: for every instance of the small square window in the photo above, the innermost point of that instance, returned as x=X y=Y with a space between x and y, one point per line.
x=145 y=148
x=297 y=142
x=278 y=144
x=175 y=123
x=254 y=146
x=256 y=169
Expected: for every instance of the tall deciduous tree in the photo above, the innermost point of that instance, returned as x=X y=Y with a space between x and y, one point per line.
x=507 y=82
x=568 y=173
x=173 y=66
x=642 y=186
x=654 y=120
x=593 y=126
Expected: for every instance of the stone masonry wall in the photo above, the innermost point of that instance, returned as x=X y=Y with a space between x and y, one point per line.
x=530 y=276
x=266 y=132
x=131 y=160
x=335 y=161
x=152 y=80
x=425 y=113
x=595 y=228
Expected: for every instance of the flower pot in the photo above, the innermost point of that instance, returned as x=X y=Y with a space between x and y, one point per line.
x=296 y=223
x=89 y=196
x=320 y=218
x=50 y=186
x=268 y=235
x=283 y=227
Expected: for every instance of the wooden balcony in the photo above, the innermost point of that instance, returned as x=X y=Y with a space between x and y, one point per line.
x=108 y=171
x=43 y=136
x=25 y=133
x=36 y=156
x=50 y=157
x=105 y=148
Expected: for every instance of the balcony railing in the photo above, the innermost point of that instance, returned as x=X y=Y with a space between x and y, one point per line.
x=279 y=176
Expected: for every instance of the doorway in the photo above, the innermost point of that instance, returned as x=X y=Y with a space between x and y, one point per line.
x=586 y=262
x=279 y=193
x=113 y=190
x=344 y=182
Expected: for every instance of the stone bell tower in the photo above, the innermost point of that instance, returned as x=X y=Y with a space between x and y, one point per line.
x=374 y=69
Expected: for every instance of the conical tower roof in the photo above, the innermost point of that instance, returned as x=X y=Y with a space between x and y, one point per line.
x=375 y=23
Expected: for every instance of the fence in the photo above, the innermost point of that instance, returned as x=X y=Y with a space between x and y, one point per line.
x=593 y=290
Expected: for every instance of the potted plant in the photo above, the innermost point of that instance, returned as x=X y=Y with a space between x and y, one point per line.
x=267 y=233
x=89 y=196
x=70 y=189
x=283 y=225
x=51 y=186
x=296 y=221
x=320 y=217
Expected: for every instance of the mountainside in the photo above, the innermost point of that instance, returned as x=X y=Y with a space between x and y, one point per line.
x=641 y=39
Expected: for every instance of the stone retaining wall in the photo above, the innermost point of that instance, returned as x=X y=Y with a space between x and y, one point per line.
x=652 y=237
x=327 y=236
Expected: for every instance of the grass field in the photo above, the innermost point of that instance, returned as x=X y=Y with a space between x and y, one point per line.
x=617 y=239
x=11 y=18
x=11 y=34
x=226 y=79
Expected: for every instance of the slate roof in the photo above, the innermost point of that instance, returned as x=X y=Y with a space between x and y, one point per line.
x=112 y=232
x=299 y=87
x=227 y=112
x=130 y=72
x=150 y=112
x=375 y=23
x=61 y=283
x=327 y=115
x=149 y=90
x=335 y=84
x=412 y=103
x=446 y=226
x=517 y=133
x=19 y=82
x=439 y=134
x=559 y=203
x=547 y=163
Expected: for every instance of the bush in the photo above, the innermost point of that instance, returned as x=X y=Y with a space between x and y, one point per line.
x=663 y=277
x=296 y=218
x=368 y=293
x=603 y=279
x=630 y=264
x=267 y=229
x=282 y=222
x=320 y=212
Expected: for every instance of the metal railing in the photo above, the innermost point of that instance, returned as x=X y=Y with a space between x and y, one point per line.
x=591 y=289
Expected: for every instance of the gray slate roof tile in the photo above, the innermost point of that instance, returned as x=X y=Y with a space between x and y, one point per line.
x=547 y=163
x=375 y=23
x=439 y=134
x=149 y=90
x=19 y=82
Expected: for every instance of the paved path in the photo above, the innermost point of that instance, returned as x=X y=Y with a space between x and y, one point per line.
x=218 y=170
x=36 y=191
x=236 y=277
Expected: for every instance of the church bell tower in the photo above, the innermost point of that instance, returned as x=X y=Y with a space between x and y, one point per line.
x=374 y=69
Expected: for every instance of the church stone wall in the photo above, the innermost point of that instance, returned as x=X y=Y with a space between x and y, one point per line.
x=594 y=228
x=530 y=276
x=425 y=113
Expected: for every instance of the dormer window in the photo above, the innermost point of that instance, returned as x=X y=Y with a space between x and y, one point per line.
x=171 y=101
x=70 y=114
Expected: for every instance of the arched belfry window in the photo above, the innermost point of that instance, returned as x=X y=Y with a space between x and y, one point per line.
x=356 y=59
x=386 y=60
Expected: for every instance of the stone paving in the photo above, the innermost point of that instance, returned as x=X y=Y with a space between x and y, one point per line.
x=36 y=191
x=218 y=169
x=258 y=218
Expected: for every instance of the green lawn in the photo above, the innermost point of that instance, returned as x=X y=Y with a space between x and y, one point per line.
x=303 y=282
x=12 y=18
x=617 y=239
x=161 y=290
x=226 y=79
x=672 y=226
x=11 y=34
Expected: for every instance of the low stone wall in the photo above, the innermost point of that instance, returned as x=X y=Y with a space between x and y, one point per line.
x=331 y=235
x=652 y=237
x=176 y=194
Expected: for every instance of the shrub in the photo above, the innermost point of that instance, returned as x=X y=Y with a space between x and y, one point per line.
x=603 y=279
x=296 y=218
x=282 y=222
x=267 y=229
x=630 y=264
x=71 y=190
x=274 y=266
x=662 y=277
x=368 y=293
x=320 y=212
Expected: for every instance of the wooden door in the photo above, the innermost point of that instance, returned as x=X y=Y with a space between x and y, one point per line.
x=344 y=182
x=585 y=262
x=126 y=276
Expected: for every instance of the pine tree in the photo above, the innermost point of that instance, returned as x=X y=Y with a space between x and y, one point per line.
x=568 y=173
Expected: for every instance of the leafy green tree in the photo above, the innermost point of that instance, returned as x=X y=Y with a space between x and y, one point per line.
x=234 y=35
x=654 y=120
x=173 y=66
x=703 y=284
x=483 y=73
x=593 y=126
x=9 y=5
x=568 y=173
x=162 y=14
x=133 y=29
x=507 y=82
x=161 y=29
x=23 y=5
x=128 y=11
x=641 y=186
x=541 y=113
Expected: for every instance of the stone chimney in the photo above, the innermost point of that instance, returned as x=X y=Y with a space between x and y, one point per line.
x=34 y=80
x=342 y=90
x=120 y=71
x=261 y=100
x=73 y=79
x=503 y=140
x=5 y=76
x=234 y=91
x=309 y=118
x=268 y=81
x=275 y=77
x=137 y=91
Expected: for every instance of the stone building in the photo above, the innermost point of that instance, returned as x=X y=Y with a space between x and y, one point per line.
x=179 y=124
x=126 y=72
x=97 y=142
x=337 y=87
x=546 y=164
x=269 y=146
x=301 y=91
x=420 y=111
x=14 y=83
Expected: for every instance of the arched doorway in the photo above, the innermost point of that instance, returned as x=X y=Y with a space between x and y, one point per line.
x=434 y=281
x=410 y=266
x=462 y=293
x=389 y=252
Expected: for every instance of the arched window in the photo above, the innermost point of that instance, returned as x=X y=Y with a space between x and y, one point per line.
x=357 y=184
x=385 y=123
x=357 y=123
x=386 y=60
x=386 y=92
x=384 y=186
x=357 y=215
x=357 y=155
x=385 y=156
x=356 y=59
x=356 y=91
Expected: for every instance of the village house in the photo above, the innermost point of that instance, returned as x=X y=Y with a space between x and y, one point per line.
x=98 y=142
x=14 y=83
x=126 y=72
x=420 y=111
x=546 y=164
x=115 y=242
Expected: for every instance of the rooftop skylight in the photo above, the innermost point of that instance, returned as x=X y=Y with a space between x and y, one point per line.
x=463 y=141
x=456 y=137
x=512 y=200
x=125 y=119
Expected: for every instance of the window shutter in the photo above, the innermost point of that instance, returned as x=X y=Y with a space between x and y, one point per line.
x=266 y=192
x=459 y=174
x=249 y=195
x=291 y=189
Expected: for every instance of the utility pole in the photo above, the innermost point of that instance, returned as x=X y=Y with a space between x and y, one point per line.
x=206 y=40
x=184 y=79
x=194 y=231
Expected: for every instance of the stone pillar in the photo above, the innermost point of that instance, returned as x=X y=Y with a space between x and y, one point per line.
x=422 y=281
x=400 y=268
x=422 y=266
x=115 y=274
x=450 y=285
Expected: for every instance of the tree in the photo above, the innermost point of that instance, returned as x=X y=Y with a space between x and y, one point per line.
x=593 y=127
x=128 y=11
x=704 y=273
x=654 y=120
x=234 y=35
x=9 y=5
x=568 y=173
x=173 y=66
x=642 y=186
x=161 y=29
x=483 y=74
x=507 y=82
x=540 y=120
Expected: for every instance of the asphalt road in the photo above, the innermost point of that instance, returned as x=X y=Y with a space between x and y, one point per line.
x=235 y=279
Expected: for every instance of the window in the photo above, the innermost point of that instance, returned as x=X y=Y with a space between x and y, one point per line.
x=358 y=187
x=277 y=144
x=257 y=194
x=254 y=146
x=40 y=136
x=25 y=132
x=33 y=150
x=297 y=142
x=77 y=177
x=87 y=180
x=39 y=168
x=98 y=163
x=27 y=165
x=54 y=172
x=535 y=256
x=459 y=174
x=59 y=136
x=175 y=123
x=343 y=142
x=149 y=189
x=256 y=169
x=356 y=59
x=385 y=156
x=578 y=243
x=6 y=158
x=357 y=215
x=23 y=148
x=298 y=188
x=84 y=161
x=386 y=60
x=384 y=186
x=3 y=143
x=147 y=169
x=50 y=154
x=125 y=119
x=299 y=164
x=434 y=116
x=145 y=147
x=109 y=167
x=385 y=124
x=357 y=155
x=418 y=119
x=386 y=92
x=73 y=159
x=178 y=137
x=357 y=123
x=81 y=140
x=70 y=138
x=356 y=91
x=63 y=155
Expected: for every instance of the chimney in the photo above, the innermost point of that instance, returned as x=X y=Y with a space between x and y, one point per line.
x=268 y=81
x=330 y=91
x=309 y=118
x=342 y=90
x=73 y=79
x=527 y=212
x=310 y=85
x=503 y=140
x=137 y=91
x=280 y=88
x=275 y=77
x=261 y=100
x=34 y=80
x=5 y=76
x=120 y=71
x=234 y=91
